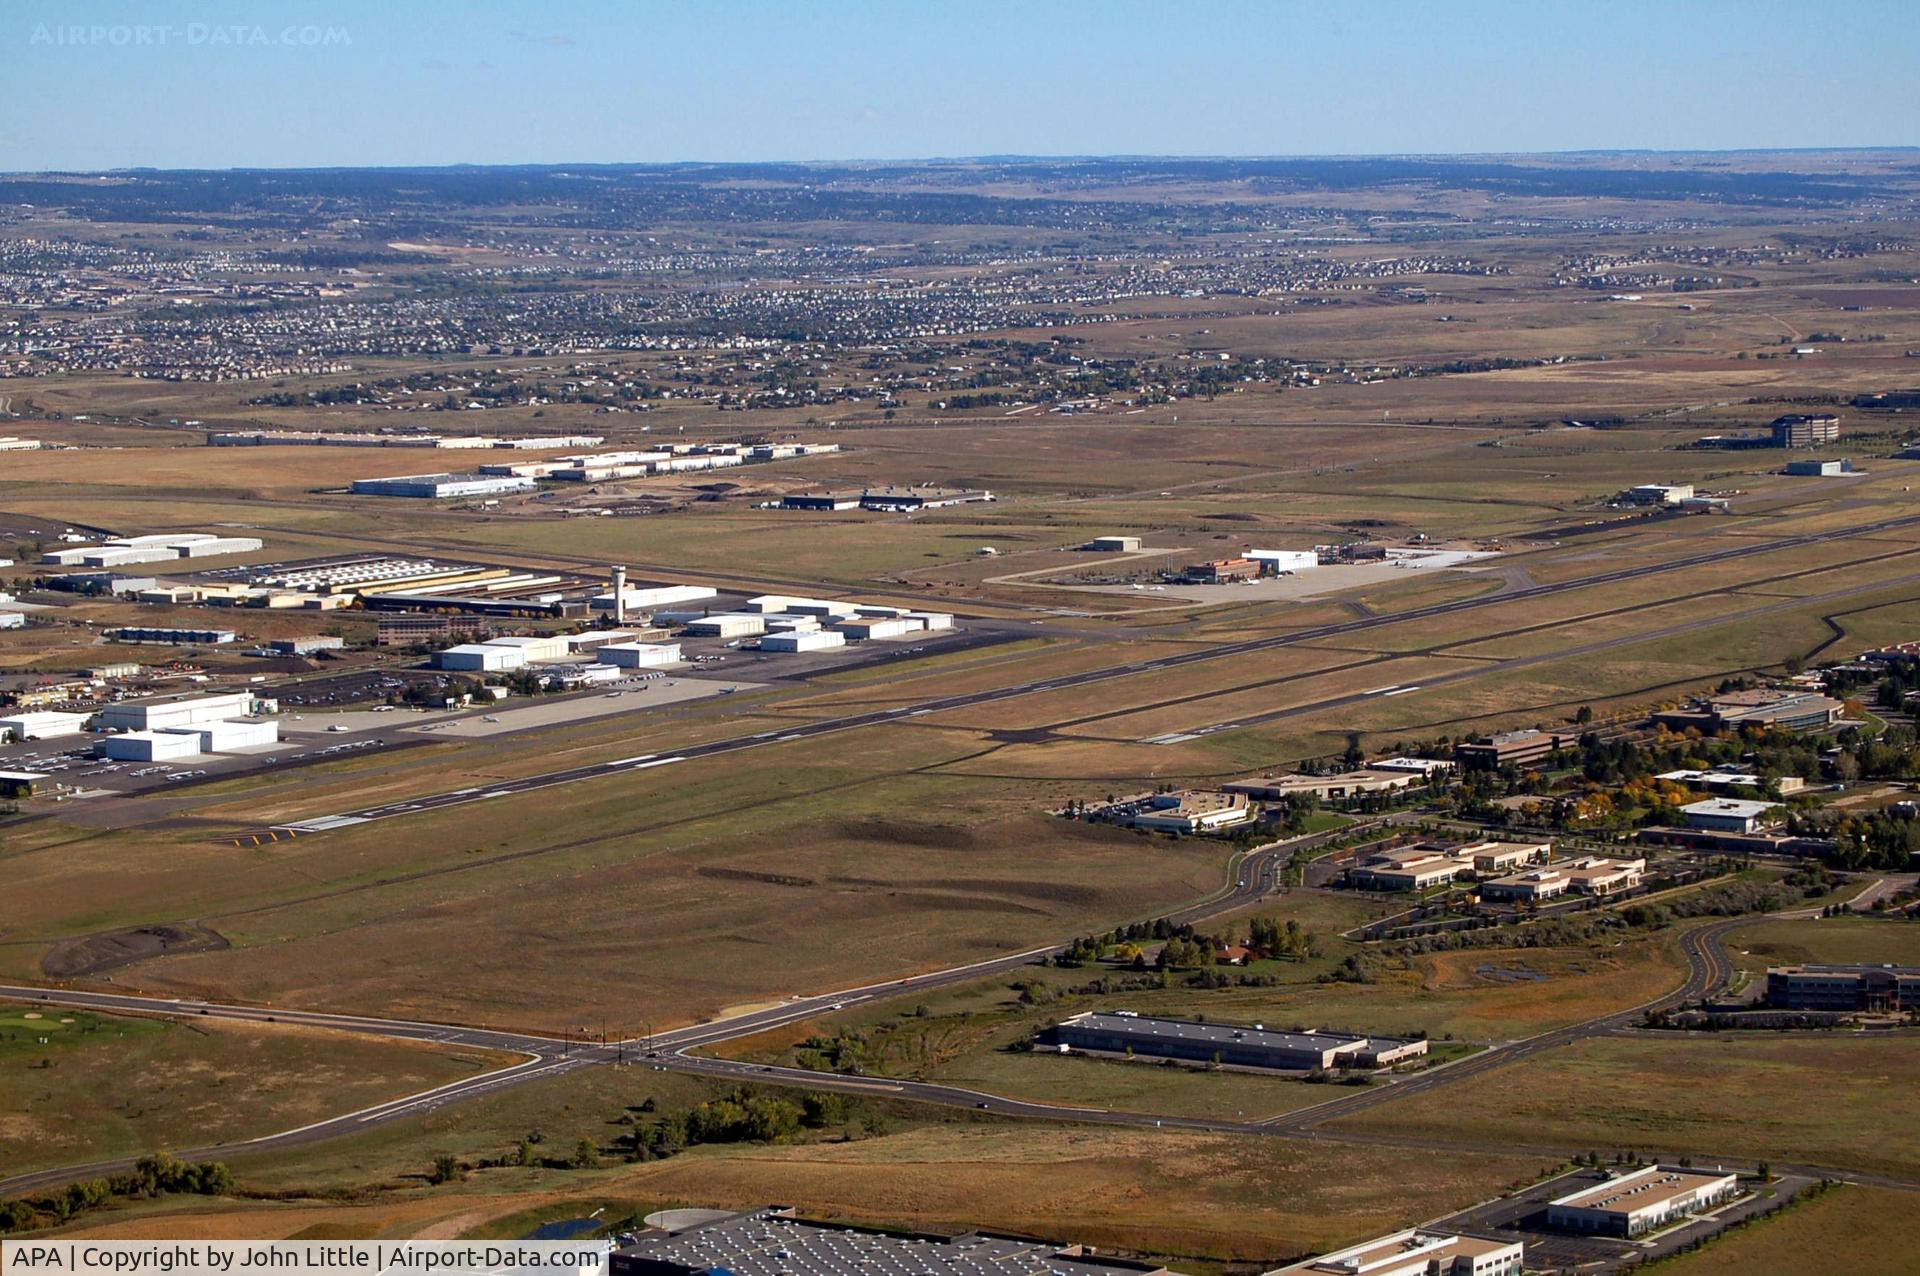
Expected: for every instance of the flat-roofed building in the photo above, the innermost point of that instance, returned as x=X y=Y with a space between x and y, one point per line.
x=182 y=711
x=1856 y=988
x=171 y=637
x=41 y=725
x=230 y=734
x=1721 y=780
x=1277 y=562
x=1730 y=815
x=444 y=486
x=873 y=628
x=734 y=624
x=797 y=640
x=479 y=657
x=644 y=597
x=534 y=648
x=775 y=1242
x=1413 y=868
x=1113 y=544
x=907 y=499
x=1344 y=784
x=1230 y=1044
x=1427 y=768
x=1794 y=710
x=1222 y=571
x=1503 y=857
x=149 y=746
x=1639 y=1201
x=1529 y=887
x=1417 y=1252
x=1599 y=875
x=1187 y=811
x=1657 y=493
x=1512 y=748
x=1802 y=430
x=821 y=501
x=639 y=655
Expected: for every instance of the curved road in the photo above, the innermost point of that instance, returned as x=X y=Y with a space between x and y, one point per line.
x=1708 y=968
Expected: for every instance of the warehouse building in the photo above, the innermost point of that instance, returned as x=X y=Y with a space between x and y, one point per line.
x=1114 y=544
x=154 y=548
x=1222 y=571
x=898 y=500
x=932 y=621
x=821 y=501
x=42 y=725
x=172 y=637
x=184 y=711
x=1123 y=1032
x=534 y=649
x=728 y=624
x=149 y=746
x=1730 y=815
x=874 y=628
x=229 y=734
x=443 y=486
x=1417 y=1252
x=775 y=1242
x=796 y=641
x=479 y=657
x=305 y=646
x=1280 y=562
x=13 y=620
x=1639 y=1201
x=647 y=597
x=1857 y=989
x=1820 y=469
x=1657 y=494
x=639 y=655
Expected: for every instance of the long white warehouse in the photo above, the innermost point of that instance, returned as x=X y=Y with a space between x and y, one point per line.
x=640 y=655
x=43 y=725
x=157 y=715
x=149 y=746
x=815 y=640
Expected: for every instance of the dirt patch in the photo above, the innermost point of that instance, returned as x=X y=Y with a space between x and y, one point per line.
x=109 y=950
x=747 y=875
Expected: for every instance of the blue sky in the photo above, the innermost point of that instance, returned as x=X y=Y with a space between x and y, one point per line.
x=205 y=84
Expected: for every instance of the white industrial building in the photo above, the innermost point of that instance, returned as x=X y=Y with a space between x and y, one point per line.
x=479 y=657
x=154 y=548
x=149 y=746
x=228 y=734
x=876 y=628
x=655 y=596
x=442 y=486
x=814 y=640
x=1274 y=562
x=157 y=715
x=780 y=622
x=1114 y=544
x=1416 y=1252
x=640 y=655
x=534 y=649
x=932 y=619
x=13 y=620
x=42 y=725
x=734 y=624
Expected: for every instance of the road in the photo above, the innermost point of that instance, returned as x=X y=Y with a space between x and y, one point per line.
x=853 y=722
x=1253 y=877
x=547 y=1056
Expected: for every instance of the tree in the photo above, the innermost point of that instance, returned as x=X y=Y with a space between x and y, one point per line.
x=585 y=1155
x=445 y=1169
x=523 y=1155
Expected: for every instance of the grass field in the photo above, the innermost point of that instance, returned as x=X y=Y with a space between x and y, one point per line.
x=1825 y=1100
x=1868 y=1225
x=77 y=1086
x=1843 y=940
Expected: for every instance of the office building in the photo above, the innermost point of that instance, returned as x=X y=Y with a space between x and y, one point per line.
x=1846 y=989
x=1792 y=710
x=1730 y=815
x=1413 y=868
x=1343 y=784
x=1530 y=887
x=1599 y=875
x=1512 y=748
x=1231 y=1045
x=1417 y=1252
x=1188 y=811
x=1639 y=1201
x=1796 y=430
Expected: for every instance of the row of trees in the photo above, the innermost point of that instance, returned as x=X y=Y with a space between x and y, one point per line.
x=156 y=1175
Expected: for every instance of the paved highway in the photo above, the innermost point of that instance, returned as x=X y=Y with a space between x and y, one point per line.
x=853 y=722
